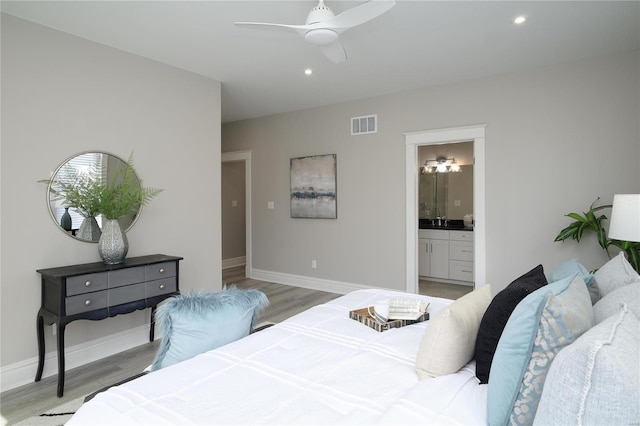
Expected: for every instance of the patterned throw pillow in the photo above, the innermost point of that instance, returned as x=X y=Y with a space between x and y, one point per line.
x=541 y=325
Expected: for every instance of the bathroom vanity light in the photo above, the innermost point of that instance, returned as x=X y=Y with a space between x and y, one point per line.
x=440 y=165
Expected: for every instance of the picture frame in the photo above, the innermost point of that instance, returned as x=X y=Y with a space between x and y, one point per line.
x=313 y=187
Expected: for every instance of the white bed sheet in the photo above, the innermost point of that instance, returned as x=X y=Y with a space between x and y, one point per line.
x=318 y=367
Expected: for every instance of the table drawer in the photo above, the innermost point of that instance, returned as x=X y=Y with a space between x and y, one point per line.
x=127 y=276
x=86 y=302
x=86 y=283
x=125 y=294
x=160 y=270
x=460 y=270
x=158 y=287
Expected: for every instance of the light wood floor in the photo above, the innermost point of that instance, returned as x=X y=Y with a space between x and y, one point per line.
x=285 y=301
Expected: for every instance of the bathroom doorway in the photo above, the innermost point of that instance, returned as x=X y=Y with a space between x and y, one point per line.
x=413 y=140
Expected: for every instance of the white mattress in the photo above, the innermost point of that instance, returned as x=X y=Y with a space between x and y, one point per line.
x=318 y=367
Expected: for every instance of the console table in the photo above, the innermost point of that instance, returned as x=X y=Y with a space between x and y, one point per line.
x=96 y=291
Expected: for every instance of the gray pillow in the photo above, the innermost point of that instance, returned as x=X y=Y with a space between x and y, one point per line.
x=610 y=304
x=614 y=274
x=595 y=380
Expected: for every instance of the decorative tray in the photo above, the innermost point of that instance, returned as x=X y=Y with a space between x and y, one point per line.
x=362 y=315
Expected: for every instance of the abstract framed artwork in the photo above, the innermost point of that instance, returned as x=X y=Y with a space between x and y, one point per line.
x=313 y=187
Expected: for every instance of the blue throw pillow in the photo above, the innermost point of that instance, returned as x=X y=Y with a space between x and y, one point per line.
x=543 y=323
x=572 y=267
x=194 y=323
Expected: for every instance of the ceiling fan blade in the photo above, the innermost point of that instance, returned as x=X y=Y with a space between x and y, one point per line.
x=358 y=15
x=299 y=29
x=335 y=52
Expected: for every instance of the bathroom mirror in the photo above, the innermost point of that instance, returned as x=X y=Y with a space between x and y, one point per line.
x=81 y=171
x=448 y=195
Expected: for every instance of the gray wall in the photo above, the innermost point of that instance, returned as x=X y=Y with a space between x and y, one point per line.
x=62 y=95
x=233 y=216
x=556 y=139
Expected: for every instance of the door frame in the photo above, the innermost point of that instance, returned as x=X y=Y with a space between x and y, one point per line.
x=244 y=156
x=413 y=140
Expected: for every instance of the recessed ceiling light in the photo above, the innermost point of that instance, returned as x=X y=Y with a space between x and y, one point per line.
x=520 y=19
x=308 y=71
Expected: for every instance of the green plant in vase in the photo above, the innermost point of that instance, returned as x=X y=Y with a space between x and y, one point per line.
x=590 y=221
x=123 y=195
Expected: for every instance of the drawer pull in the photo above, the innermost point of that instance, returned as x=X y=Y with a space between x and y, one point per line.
x=467 y=271
x=87 y=302
x=87 y=284
x=161 y=286
x=162 y=270
x=466 y=251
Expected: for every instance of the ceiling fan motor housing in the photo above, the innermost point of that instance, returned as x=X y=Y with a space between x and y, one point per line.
x=321 y=36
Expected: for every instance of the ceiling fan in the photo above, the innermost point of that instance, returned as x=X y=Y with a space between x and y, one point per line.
x=323 y=28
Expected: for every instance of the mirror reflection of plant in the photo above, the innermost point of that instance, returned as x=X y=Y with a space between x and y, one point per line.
x=78 y=190
x=588 y=221
x=124 y=194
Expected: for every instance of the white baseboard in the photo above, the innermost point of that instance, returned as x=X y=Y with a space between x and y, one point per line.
x=24 y=372
x=306 y=282
x=233 y=262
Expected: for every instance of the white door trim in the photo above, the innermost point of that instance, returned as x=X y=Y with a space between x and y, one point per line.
x=475 y=133
x=246 y=157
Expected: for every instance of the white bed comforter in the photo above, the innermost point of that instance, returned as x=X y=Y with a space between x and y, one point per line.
x=318 y=367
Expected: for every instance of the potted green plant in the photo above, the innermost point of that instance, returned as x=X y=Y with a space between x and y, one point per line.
x=590 y=221
x=121 y=195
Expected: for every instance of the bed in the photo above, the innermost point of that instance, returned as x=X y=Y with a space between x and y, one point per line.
x=318 y=367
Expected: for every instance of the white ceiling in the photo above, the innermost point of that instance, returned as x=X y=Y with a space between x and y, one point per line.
x=416 y=44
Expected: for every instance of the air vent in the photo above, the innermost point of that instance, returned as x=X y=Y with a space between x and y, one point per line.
x=363 y=125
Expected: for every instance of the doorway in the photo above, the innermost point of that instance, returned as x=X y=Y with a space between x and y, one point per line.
x=413 y=140
x=244 y=157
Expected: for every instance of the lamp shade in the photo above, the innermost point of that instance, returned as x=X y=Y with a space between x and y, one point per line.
x=625 y=218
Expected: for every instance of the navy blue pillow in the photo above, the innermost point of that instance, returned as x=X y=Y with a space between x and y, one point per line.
x=497 y=314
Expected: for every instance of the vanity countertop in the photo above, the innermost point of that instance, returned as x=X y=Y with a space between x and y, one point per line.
x=452 y=225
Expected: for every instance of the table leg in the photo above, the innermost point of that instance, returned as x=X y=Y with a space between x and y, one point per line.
x=153 y=323
x=40 y=333
x=61 y=327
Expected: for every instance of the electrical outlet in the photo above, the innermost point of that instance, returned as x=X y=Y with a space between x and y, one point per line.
x=314 y=264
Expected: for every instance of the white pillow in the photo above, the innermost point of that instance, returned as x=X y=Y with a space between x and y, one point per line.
x=449 y=339
x=610 y=304
x=614 y=274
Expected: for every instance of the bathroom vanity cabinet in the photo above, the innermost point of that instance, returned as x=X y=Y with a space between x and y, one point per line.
x=446 y=254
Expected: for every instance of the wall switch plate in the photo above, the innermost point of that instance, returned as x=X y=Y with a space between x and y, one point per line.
x=314 y=264
x=271 y=205
x=456 y=203
x=234 y=203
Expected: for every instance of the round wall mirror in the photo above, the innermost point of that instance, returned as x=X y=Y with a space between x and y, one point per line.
x=71 y=194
